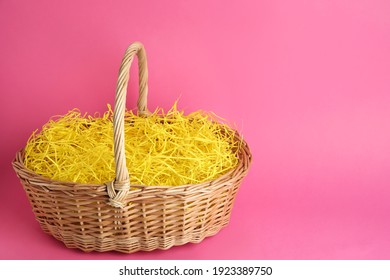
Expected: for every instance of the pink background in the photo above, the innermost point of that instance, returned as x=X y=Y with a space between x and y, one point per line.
x=306 y=81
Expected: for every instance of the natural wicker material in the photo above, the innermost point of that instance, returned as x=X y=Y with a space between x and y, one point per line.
x=115 y=216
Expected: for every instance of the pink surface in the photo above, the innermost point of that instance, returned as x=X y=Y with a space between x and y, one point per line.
x=306 y=81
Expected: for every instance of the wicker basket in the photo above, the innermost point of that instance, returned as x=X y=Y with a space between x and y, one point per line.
x=113 y=217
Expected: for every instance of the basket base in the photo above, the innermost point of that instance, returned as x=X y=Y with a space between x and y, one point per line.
x=128 y=244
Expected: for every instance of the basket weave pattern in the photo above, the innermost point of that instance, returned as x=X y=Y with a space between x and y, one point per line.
x=119 y=216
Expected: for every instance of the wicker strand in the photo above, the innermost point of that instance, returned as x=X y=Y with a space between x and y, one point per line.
x=117 y=191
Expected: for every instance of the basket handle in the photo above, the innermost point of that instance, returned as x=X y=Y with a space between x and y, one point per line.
x=118 y=189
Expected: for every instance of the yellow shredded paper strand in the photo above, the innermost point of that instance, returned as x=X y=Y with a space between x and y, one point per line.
x=161 y=150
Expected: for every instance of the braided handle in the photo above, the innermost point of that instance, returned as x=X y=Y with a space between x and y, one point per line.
x=118 y=189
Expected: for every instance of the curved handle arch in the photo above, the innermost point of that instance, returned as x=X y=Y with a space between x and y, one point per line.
x=118 y=189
